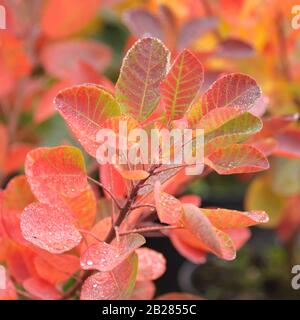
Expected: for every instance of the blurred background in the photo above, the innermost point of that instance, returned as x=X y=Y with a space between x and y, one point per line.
x=49 y=45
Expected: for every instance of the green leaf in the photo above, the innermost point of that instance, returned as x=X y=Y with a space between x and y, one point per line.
x=144 y=67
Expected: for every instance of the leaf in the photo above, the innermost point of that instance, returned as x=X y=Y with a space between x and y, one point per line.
x=181 y=85
x=142 y=22
x=151 y=264
x=49 y=227
x=64 y=58
x=143 y=290
x=260 y=196
x=143 y=68
x=214 y=240
x=288 y=144
x=111 y=179
x=56 y=268
x=83 y=208
x=7 y=288
x=234 y=49
x=289 y=223
x=193 y=29
x=56 y=172
x=224 y=126
x=232 y=90
x=85 y=108
x=134 y=174
x=14 y=62
x=169 y=209
x=45 y=107
x=188 y=251
x=117 y=284
x=106 y=257
x=15 y=156
x=41 y=289
x=191 y=198
x=237 y=158
x=62 y=18
x=15 y=198
x=226 y=219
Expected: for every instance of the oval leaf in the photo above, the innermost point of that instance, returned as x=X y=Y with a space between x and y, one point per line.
x=49 y=227
x=105 y=257
x=117 y=284
x=151 y=264
x=56 y=172
x=85 y=108
x=168 y=208
x=237 y=158
x=144 y=67
x=181 y=85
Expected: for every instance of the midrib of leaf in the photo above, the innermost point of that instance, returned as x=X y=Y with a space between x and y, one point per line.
x=146 y=82
x=176 y=89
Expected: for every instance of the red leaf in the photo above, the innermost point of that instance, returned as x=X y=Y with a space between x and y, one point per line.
x=62 y=18
x=56 y=268
x=288 y=144
x=234 y=49
x=144 y=67
x=143 y=290
x=49 y=228
x=226 y=219
x=151 y=264
x=181 y=85
x=117 y=284
x=15 y=198
x=83 y=208
x=41 y=289
x=45 y=107
x=14 y=62
x=213 y=239
x=63 y=59
x=56 y=172
x=232 y=90
x=85 y=108
x=237 y=158
x=191 y=198
x=168 y=208
x=105 y=257
x=111 y=179
x=289 y=224
x=191 y=252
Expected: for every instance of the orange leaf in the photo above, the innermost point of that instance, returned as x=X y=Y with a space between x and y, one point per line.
x=237 y=158
x=168 y=208
x=181 y=85
x=62 y=18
